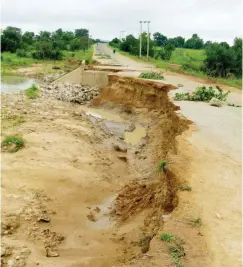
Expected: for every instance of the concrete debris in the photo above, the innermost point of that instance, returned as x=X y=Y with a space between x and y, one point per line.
x=51 y=253
x=215 y=102
x=130 y=127
x=44 y=218
x=119 y=147
x=52 y=77
x=75 y=93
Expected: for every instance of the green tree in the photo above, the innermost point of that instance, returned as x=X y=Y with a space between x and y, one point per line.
x=115 y=43
x=194 y=42
x=130 y=44
x=208 y=43
x=219 y=60
x=45 y=50
x=237 y=51
x=28 y=38
x=81 y=32
x=165 y=52
x=159 y=39
x=11 y=39
x=45 y=36
x=177 y=41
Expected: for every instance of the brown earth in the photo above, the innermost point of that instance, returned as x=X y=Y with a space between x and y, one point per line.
x=60 y=191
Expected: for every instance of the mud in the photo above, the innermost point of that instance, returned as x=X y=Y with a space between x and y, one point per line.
x=78 y=195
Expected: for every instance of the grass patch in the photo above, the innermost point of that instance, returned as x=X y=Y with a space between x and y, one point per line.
x=203 y=94
x=167 y=237
x=176 y=249
x=196 y=222
x=12 y=144
x=153 y=75
x=185 y=188
x=176 y=253
x=10 y=120
x=32 y=92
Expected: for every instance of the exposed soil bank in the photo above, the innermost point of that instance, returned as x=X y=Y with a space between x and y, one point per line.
x=56 y=190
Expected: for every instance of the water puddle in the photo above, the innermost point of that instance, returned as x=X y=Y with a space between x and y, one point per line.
x=134 y=137
x=15 y=83
x=103 y=219
x=116 y=124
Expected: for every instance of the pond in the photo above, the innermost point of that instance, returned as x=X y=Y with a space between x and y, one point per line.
x=15 y=83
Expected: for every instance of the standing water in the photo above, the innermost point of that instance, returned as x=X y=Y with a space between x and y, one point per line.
x=11 y=84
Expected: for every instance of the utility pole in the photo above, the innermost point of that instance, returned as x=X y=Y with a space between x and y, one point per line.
x=140 y=47
x=148 y=41
x=121 y=34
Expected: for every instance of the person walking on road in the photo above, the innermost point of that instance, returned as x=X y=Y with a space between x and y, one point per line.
x=114 y=51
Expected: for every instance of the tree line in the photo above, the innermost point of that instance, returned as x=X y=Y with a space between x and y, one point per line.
x=222 y=60
x=45 y=45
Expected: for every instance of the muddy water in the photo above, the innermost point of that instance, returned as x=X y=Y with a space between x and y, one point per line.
x=117 y=124
x=103 y=219
x=15 y=83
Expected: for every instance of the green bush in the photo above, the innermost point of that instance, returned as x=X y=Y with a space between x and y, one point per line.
x=151 y=75
x=32 y=92
x=12 y=143
x=203 y=94
x=21 y=53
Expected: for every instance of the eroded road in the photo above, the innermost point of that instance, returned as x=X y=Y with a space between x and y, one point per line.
x=86 y=189
x=214 y=149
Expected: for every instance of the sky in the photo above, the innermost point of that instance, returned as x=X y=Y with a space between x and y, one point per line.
x=215 y=20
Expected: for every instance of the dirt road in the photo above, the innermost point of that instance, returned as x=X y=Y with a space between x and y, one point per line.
x=215 y=164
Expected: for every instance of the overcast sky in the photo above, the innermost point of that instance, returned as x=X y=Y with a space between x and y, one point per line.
x=217 y=20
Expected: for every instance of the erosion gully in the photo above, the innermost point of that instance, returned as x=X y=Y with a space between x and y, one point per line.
x=87 y=189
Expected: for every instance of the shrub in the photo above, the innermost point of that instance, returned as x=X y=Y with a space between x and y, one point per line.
x=203 y=94
x=32 y=92
x=151 y=75
x=12 y=143
x=21 y=53
x=162 y=165
x=44 y=50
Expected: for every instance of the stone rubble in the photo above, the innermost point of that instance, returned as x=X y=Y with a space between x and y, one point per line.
x=215 y=102
x=75 y=93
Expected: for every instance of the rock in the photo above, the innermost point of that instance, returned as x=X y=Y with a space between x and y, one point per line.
x=56 y=68
x=97 y=209
x=43 y=218
x=215 y=102
x=91 y=217
x=165 y=217
x=10 y=263
x=130 y=127
x=51 y=253
x=218 y=216
x=123 y=158
x=119 y=147
x=180 y=85
x=6 y=250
